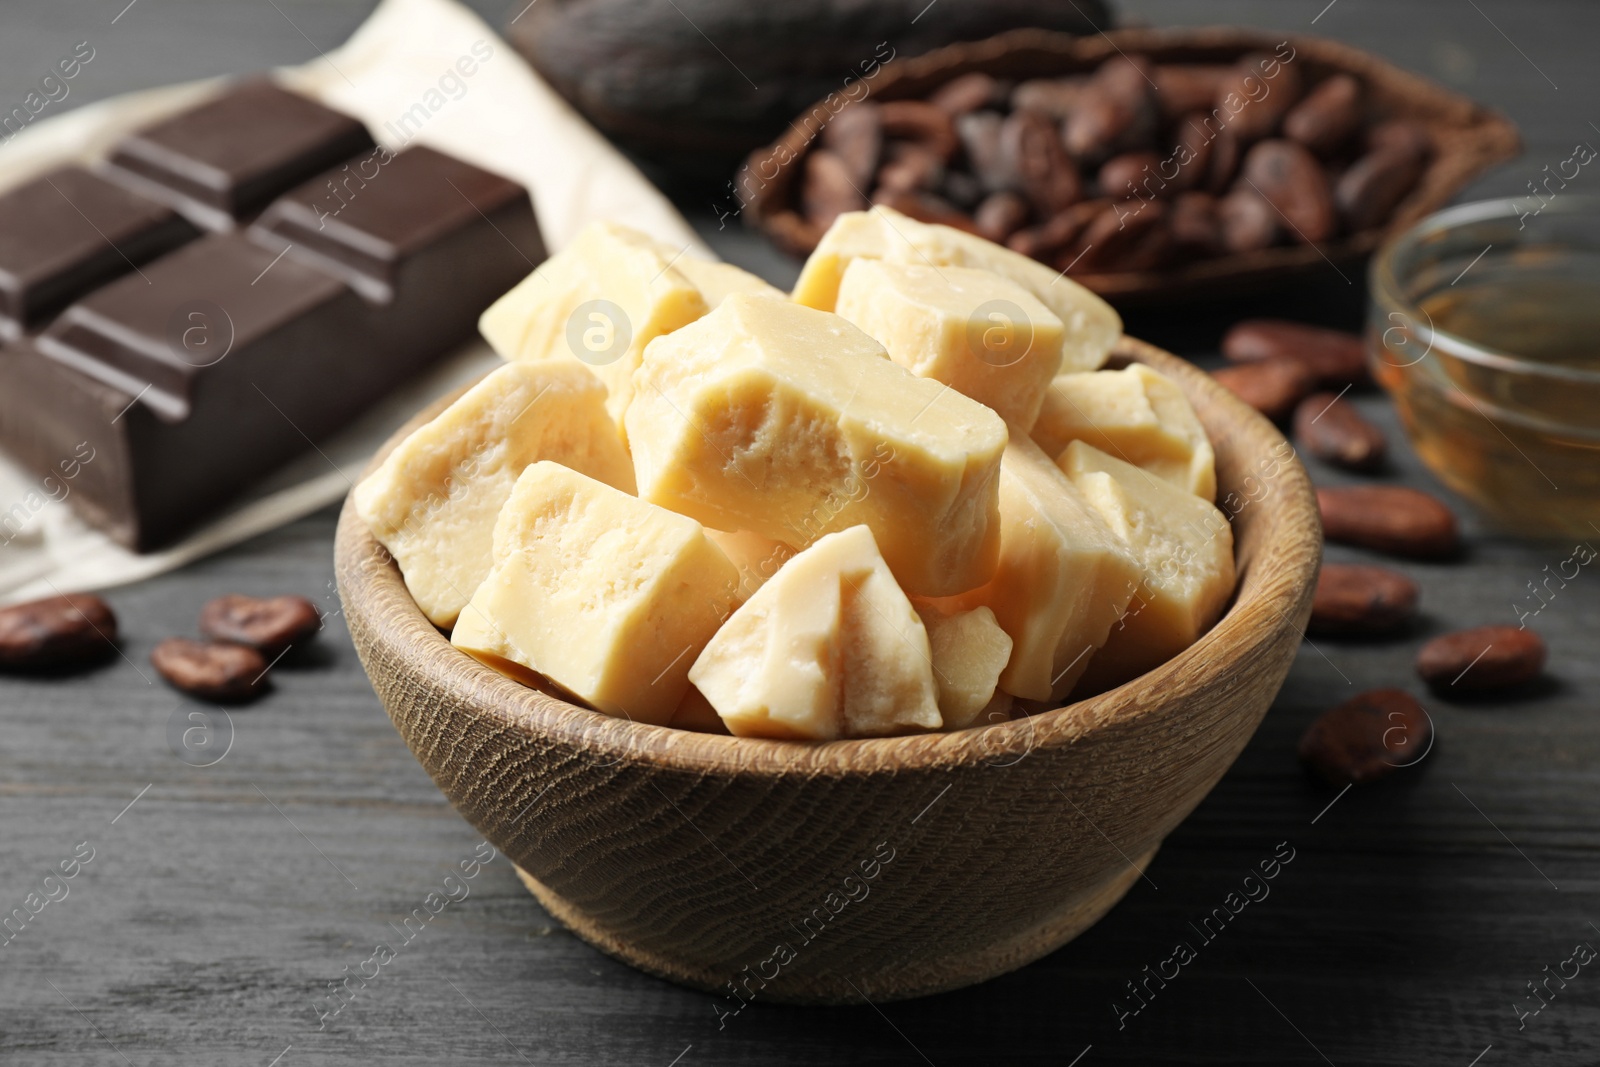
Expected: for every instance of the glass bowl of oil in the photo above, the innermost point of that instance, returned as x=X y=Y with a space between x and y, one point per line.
x=1484 y=327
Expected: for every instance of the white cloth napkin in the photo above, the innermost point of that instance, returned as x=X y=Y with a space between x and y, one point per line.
x=403 y=73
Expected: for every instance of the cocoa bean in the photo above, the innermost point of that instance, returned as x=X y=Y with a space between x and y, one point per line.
x=1360 y=600
x=1367 y=194
x=1388 y=518
x=980 y=137
x=1185 y=87
x=1190 y=159
x=270 y=625
x=1337 y=358
x=1116 y=111
x=1293 y=182
x=1117 y=240
x=967 y=93
x=1247 y=222
x=855 y=135
x=56 y=633
x=211 y=670
x=1369 y=736
x=1255 y=96
x=1401 y=135
x=1482 y=658
x=827 y=191
x=1333 y=430
x=1055 y=97
x=1056 y=233
x=1328 y=117
x=1271 y=386
x=1031 y=148
x=1193 y=221
x=1002 y=214
x=1133 y=176
x=1225 y=153
x=910 y=167
x=963 y=190
x=922 y=123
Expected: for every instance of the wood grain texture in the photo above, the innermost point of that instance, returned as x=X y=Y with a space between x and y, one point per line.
x=677 y=852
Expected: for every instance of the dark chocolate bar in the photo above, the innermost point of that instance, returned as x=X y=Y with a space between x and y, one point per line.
x=225 y=160
x=65 y=233
x=194 y=378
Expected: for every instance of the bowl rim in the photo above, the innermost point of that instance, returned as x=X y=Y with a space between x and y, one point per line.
x=370 y=587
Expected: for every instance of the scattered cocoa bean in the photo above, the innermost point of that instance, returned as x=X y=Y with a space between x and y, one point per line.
x=1482 y=658
x=1133 y=176
x=1002 y=214
x=1271 y=386
x=1055 y=97
x=1367 y=194
x=1360 y=600
x=1367 y=737
x=967 y=93
x=1333 y=430
x=1293 y=182
x=855 y=135
x=1388 y=518
x=1193 y=221
x=1115 y=112
x=75 y=630
x=1185 y=87
x=1328 y=117
x=920 y=122
x=1257 y=93
x=267 y=624
x=211 y=670
x=1246 y=221
x=828 y=191
x=1031 y=149
x=1337 y=358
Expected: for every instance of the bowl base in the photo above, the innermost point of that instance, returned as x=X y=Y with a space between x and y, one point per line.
x=923 y=979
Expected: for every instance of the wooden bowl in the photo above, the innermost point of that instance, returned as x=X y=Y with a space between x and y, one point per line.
x=862 y=869
x=1467 y=140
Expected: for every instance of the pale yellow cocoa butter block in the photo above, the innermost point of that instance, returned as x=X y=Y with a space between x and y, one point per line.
x=969 y=652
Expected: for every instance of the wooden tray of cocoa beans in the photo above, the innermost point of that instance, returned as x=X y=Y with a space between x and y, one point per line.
x=1151 y=165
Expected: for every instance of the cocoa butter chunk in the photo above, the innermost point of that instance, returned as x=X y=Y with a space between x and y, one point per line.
x=270 y=625
x=56 y=633
x=1482 y=658
x=1389 y=518
x=218 y=671
x=1332 y=429
x=1367 y=737
x=1359 y=600
x=1336 y=358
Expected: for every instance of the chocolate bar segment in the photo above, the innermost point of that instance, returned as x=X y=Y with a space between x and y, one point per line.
x=225 y=160
x=65 y=233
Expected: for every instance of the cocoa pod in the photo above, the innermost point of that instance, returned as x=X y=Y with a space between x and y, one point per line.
x=922 y=123
x=1328 y=117
x=827 y=191
x=57 y=633
x=1482 y=658
x=1055 y=97
x=1133 y=176
x=855 y=135
x=1116 y=111
x=1367 y=737
x=1388 y=518
x=1246 y=221
x=217 y=671
x=1333 y=430
x=1258 y=92
x=1056 y=233
x=270 y=625
x=1132 y=240
x=1271 y=386
x=1293 y=182
x=1337 y=358
x=1360 y=600
x=1000 y=215
x=1185 y=87
x=1367 y=194
x=1193 y=221
x=1031 y=148
x=969 y=92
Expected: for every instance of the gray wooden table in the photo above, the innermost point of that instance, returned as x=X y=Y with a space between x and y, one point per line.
x=220 y=901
